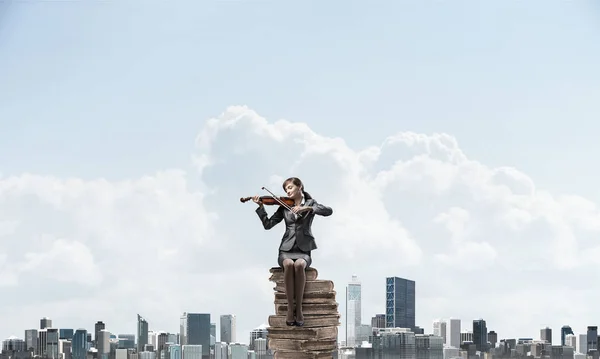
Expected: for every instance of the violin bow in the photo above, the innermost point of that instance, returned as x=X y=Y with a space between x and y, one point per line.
x=282 y=203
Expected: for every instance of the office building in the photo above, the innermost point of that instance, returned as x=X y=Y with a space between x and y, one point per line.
x=400 y=303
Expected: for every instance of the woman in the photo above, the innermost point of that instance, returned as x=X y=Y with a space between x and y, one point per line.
x=297 y=242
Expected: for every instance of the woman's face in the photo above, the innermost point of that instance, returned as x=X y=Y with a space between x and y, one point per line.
x=293 y=191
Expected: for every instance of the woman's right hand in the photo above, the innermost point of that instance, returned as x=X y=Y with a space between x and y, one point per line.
x=256 y=199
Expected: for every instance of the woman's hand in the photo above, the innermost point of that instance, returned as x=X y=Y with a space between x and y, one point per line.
x=300 y=209
x=256 y=199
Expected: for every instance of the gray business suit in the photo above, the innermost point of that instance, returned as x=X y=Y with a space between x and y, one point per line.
x=298 y=240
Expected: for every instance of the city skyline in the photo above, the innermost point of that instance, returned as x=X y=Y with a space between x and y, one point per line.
x=565 y=333
x=438 y=326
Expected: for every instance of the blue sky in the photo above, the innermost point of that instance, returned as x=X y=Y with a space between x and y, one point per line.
x=119 y=90
x=515 y=82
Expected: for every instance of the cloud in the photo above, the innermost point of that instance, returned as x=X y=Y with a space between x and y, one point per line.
x=477 y=240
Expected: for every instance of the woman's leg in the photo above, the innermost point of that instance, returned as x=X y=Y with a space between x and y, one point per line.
x=288 y=280
x=300 y=281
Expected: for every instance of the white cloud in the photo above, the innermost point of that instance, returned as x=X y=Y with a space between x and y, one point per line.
x=478 y=240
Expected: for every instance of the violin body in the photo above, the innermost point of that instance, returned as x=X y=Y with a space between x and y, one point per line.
x=270 y=200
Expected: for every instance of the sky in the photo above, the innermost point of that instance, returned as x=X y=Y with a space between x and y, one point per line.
x=454 y=141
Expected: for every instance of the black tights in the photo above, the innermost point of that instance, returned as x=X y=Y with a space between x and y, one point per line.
x=294 y=279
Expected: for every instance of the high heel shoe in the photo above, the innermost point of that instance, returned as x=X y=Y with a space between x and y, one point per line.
x=299 y=323
x=293 y=322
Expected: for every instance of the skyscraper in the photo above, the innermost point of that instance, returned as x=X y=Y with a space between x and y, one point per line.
x=564 y=331
x=453 y=332
x=480 y=335
x=378 y=321
x=103 y=344
x=400 y=303
x=65 y=333
x=31 y=339
x=228 y=329
x=45 y=322
x=79 y=344
x=546 y=334
x=52 y=343
x=195 y=330
x=142 y=333
x=353 y=310
x=592 y=338
x=99 y=326
x=439 y=329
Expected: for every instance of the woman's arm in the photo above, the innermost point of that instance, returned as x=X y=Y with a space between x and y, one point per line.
x=267 y=222
x=320 y=209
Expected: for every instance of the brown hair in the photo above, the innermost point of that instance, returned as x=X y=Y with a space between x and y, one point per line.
x=297 y=182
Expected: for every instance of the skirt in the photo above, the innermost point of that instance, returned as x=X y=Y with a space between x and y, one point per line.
x=294 y=253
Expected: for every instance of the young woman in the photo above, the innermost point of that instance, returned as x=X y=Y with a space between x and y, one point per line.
x=297 y=242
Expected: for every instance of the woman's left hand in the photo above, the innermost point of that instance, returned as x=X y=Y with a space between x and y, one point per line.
x=300 y=209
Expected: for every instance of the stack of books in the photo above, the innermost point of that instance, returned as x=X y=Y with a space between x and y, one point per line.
x=317 y=339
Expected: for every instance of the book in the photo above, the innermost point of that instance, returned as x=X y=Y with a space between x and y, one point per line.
x=278 y=321
x=277 y=274
x=293 y=354
x=302 y=345
x=303 y=333
x=311 y=286
x=310 y=309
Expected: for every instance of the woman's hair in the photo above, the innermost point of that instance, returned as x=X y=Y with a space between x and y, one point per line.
x=297 y=182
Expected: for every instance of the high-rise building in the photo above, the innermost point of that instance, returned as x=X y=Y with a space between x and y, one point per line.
x=45 y=322
x=31 y=338
x=213 y=330
x=66 y=334
x=174 y=351
x=492 y=338
x=42 y=341
x=480 y=335
x=103 y=344
x=97 y=328
x=390 y=343
x=13 y=344
x=378 y=321
x=429 y=346
x=571 y=341
x=127 y=341
x=221 y=351
x=238 y=351
x=79 y=344
x=564 y=331
x=52 y=343
x=161 y=341
x=195 y=330
x=228 y=329
x=400 y=303
x=581 y=344
x=546 y=335
x=353 y=310
x=191 y=351
x=257 y=333
x=142 y=333
x=592 y=338
x=260 y=348
x=439 y=329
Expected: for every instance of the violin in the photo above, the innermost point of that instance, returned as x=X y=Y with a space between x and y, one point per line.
x=286 y=202
x=271 y=200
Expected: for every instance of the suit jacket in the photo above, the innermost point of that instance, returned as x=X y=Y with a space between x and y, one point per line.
x=298 y=229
